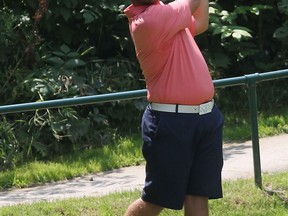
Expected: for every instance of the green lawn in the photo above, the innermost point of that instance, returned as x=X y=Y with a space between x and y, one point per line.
x=124 y=152
x=241 y=198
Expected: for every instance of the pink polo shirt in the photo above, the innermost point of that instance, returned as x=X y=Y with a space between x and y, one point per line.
x=173 y=66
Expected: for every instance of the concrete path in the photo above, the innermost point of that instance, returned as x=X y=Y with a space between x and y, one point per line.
x=238 y=163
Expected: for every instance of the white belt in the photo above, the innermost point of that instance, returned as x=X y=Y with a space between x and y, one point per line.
x=175 y=108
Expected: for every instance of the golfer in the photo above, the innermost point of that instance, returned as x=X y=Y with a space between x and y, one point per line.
x=181 y=126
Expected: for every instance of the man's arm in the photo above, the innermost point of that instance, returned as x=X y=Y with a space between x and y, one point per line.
x=194 y=4
x=201 y=16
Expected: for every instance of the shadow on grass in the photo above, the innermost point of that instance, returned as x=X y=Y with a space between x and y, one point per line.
x=229 y=151
x=280 y=194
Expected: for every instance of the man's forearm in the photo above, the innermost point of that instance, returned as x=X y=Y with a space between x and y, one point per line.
x=201 y=16
x=194 y=4
x=203 y=8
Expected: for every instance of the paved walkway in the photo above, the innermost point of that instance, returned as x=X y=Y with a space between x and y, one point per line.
x=238 y=163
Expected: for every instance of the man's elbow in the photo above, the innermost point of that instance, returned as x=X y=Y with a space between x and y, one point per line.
x=200 y=28
x=205 y=25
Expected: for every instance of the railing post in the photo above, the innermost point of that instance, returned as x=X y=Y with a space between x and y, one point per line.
x=252 y=97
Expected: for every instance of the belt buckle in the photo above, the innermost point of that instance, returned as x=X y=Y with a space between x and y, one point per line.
x=205 y=108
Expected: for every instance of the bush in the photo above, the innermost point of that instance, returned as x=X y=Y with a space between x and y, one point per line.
x=88 y=52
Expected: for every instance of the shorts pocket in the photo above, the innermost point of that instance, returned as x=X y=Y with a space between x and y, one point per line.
x=149 y=126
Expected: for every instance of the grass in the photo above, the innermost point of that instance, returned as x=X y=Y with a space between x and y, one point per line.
x=124 y=152
x=241 y=198
x=237 y=128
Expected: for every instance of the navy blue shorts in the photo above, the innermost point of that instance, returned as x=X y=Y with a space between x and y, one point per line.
x=183 y=154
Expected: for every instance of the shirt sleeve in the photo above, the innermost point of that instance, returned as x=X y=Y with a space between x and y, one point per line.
x=171 y=18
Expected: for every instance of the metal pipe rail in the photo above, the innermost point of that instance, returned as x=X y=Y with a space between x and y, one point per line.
x=24 y=107
x=249 y=80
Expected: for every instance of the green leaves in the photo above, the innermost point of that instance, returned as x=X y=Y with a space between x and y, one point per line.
x=282 y=32
x=283 y=6
x=236 y=32
x=65 y=49
x=74 y=63
x=224 y=23
x=55 y=60
x=240 y=33
x=8 y=144
x=65 y=58
x=221 y=59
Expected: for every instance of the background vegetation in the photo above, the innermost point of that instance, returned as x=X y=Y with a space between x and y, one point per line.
x=72 y=48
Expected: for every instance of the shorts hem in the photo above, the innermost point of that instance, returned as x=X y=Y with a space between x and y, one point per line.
x=161 y=204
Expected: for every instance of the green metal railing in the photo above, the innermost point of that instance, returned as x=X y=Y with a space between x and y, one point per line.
x=250 y=81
